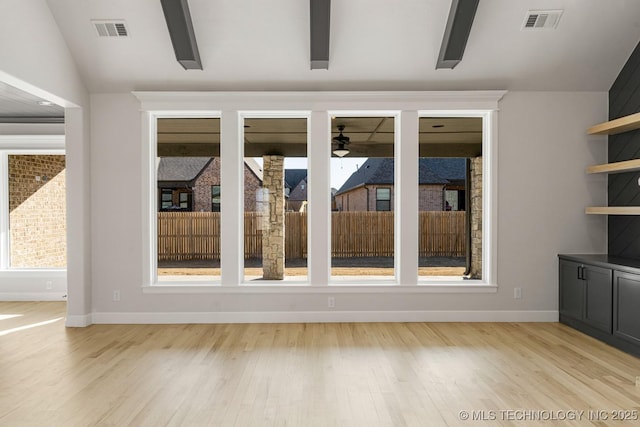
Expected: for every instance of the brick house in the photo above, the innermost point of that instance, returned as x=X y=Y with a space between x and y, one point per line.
x=295 y=189
x=371 y=187
x=37 y=211
x=192 y=184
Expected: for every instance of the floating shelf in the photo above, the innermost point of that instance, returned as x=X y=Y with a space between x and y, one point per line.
x=617 y=167
x=613 y=210
x=613 y=127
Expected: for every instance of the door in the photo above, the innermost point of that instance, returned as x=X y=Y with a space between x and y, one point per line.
x=598 y=297
x=571 y=290
x=626 y=300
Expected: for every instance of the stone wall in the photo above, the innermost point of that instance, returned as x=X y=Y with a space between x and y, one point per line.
x=476 y=218
x=273 y=230
x=37 y=211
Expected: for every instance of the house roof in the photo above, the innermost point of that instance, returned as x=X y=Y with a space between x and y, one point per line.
x=181 y=168
x=377 y=171
x=450 y=168
x=254 y=166
x=185 y=169
x=299 y=192
x=292 y=177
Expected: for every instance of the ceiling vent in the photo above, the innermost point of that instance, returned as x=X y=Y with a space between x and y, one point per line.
x=542 y=19
x=111 y=28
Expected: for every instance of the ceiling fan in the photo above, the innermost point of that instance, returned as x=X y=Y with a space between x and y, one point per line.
x=341 y=141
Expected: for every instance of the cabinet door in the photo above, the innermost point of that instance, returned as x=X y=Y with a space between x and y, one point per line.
x=598 y=297
x=626 y=300
x=571 y=290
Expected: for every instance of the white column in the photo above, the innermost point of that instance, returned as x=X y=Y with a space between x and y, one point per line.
x=231 y=199
x=78 y=192
x=406 y=201
x=319 y=196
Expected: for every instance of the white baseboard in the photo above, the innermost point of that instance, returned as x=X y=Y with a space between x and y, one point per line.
x=33 y=296
x=80 y=321
x=325 y=317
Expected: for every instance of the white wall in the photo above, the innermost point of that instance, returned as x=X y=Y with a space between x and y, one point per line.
x=542 y=191
x=34 y=58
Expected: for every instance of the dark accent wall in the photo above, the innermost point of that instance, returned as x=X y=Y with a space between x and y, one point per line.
x=624 y=188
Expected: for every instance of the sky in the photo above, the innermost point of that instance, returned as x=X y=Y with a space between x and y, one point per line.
x=341 y=169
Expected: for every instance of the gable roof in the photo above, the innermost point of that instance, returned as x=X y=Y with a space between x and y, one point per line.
x=292 y=177
x=380 y=171
x=449 y=168
x=181 y=168
x=299 y=192
x=186 y=169
x=254 y=166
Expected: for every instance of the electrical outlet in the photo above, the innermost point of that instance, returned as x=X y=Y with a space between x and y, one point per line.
x=116 y=295
x=517 y=293
x=331 y=302
x=48 y=285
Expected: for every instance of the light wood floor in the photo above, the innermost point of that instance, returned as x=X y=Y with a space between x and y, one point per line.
x=368 y=374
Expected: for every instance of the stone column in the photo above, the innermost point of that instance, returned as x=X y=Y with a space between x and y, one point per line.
x=273 y=210
x=476 y=218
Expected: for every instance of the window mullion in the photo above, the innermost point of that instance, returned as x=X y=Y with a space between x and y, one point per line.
x=4 y=214
x=406 y=200
x=231 y=199
x=319 y=196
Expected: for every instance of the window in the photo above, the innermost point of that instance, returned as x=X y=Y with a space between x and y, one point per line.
x=448 y=246
x=363 y=238
x=185 y=201
x=215 y=198
x=383 y=199
x=187 y=224
x=35 y=211
x=275 y=198
x=374 y=223
x=166 y=199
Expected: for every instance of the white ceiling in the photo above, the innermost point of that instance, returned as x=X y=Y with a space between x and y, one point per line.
x=375 y=45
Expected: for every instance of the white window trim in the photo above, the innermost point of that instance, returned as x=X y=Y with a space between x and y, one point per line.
x=17 y=145
x=150 y=192
x=489 y=183
x=319 y=106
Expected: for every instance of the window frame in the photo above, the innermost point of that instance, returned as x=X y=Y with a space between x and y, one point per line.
x=489 y=184
x=21 y=145
x=320 y=106
x=378 y=199
x=212 y=195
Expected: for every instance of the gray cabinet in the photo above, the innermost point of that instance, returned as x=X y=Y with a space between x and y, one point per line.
x=586 y=294
x=626 y=299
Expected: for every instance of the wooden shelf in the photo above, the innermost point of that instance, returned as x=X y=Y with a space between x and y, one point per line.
x=617 y=167
x=613 y=210
x=613 y=127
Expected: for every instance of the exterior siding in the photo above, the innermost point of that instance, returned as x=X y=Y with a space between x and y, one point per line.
x=431 y=198
x=210 y=175
x=37 y=211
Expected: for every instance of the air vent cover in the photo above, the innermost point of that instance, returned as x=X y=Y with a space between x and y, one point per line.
x=542 y=19
x=111 y=28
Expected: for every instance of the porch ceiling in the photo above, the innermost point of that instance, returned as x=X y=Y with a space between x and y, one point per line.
x=370 y=136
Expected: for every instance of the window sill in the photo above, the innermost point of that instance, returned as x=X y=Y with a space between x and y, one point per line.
x=474 y=287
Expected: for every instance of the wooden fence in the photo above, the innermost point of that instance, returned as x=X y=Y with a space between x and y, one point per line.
x=196 y=235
